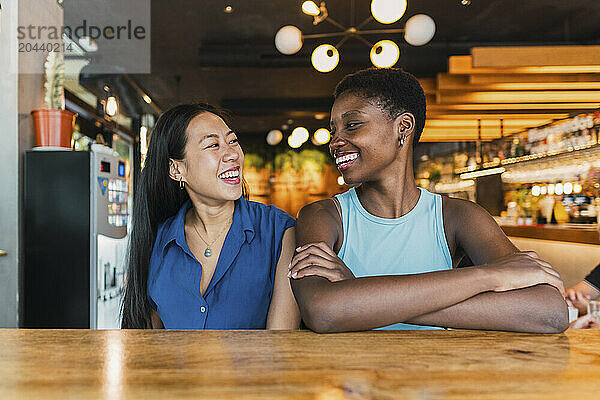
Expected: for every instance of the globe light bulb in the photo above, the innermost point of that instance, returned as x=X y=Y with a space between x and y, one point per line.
x=385 y=54
x=111 y=106
x=310 y=8
x=558 y=189
x=301 y=134
x=274 y=137
x=568 y=189
x=293 y=142
x=321 y=136
x=419 y=29
x=388 y=11
x=288 y=40
x=325 y=58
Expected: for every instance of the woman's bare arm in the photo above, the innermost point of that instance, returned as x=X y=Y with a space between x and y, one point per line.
x=366 y=303
x=283 y=311
x=156 y=321
x=539 y=308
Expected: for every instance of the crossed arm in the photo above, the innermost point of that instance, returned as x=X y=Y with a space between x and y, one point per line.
x=507 y=290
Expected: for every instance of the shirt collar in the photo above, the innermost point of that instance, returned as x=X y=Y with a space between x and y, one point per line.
x=242 y=222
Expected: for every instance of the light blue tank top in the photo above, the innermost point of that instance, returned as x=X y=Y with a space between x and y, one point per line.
x=412 y=244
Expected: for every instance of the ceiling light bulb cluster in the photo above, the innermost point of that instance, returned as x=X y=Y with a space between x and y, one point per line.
x=419 y=30
x=321 y=136
x=325 y=58
x=385 y=54
x=274 y=137
x=386 y=11
x=299 y=136
x=310 y=8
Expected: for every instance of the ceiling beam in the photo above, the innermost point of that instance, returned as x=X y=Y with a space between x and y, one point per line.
x=519 y=56
x=519 y=97
x=464 y=65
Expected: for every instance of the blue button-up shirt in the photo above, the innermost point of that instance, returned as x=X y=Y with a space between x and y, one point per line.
x=239 y=293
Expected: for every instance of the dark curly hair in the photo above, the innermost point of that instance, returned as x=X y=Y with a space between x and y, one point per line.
x=393 y=89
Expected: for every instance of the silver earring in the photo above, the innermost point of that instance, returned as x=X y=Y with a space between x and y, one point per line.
x=402 y=141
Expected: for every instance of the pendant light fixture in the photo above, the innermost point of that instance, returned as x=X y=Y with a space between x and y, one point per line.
x=418 y=30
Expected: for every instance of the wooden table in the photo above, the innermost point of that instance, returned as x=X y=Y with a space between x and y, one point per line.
x=83 y=364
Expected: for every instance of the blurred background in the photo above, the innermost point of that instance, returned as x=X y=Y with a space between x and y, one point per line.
x=513 y=122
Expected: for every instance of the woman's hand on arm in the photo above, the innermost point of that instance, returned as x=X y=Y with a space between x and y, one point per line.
x=331 y=300
x=580 y=295
x=318 y=259
x=585 y=322
x=283 y=311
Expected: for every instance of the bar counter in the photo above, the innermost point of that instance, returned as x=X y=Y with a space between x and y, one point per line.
x=572 y=249
x=560 y=233
x=456 y=364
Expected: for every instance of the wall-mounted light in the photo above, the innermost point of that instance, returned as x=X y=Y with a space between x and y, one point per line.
x=147 y=98
x=112 y=107
x=143 y=140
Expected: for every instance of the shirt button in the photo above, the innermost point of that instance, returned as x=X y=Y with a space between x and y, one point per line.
x=202 y=309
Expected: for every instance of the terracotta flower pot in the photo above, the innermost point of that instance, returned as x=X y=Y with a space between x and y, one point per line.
x=53 y=127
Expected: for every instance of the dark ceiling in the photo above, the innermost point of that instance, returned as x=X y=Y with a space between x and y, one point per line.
x=200 y=52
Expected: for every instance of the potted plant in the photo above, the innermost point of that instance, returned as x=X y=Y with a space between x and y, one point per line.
x=53 y=124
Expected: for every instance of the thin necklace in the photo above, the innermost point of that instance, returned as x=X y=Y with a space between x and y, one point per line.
x=208 y=251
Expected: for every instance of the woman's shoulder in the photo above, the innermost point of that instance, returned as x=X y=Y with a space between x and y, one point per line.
x=262 y=212
x=322 y=210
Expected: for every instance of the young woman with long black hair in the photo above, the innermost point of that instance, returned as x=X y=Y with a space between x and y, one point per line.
x=201 y=255
x=386 y=253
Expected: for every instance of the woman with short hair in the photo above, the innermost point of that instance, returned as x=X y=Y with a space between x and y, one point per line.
x=386 y=253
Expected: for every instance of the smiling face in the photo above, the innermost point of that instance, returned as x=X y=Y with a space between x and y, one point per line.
x=365 y=143
x=213 y=162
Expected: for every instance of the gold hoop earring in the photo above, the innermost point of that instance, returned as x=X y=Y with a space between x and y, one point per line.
x=181 y=184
